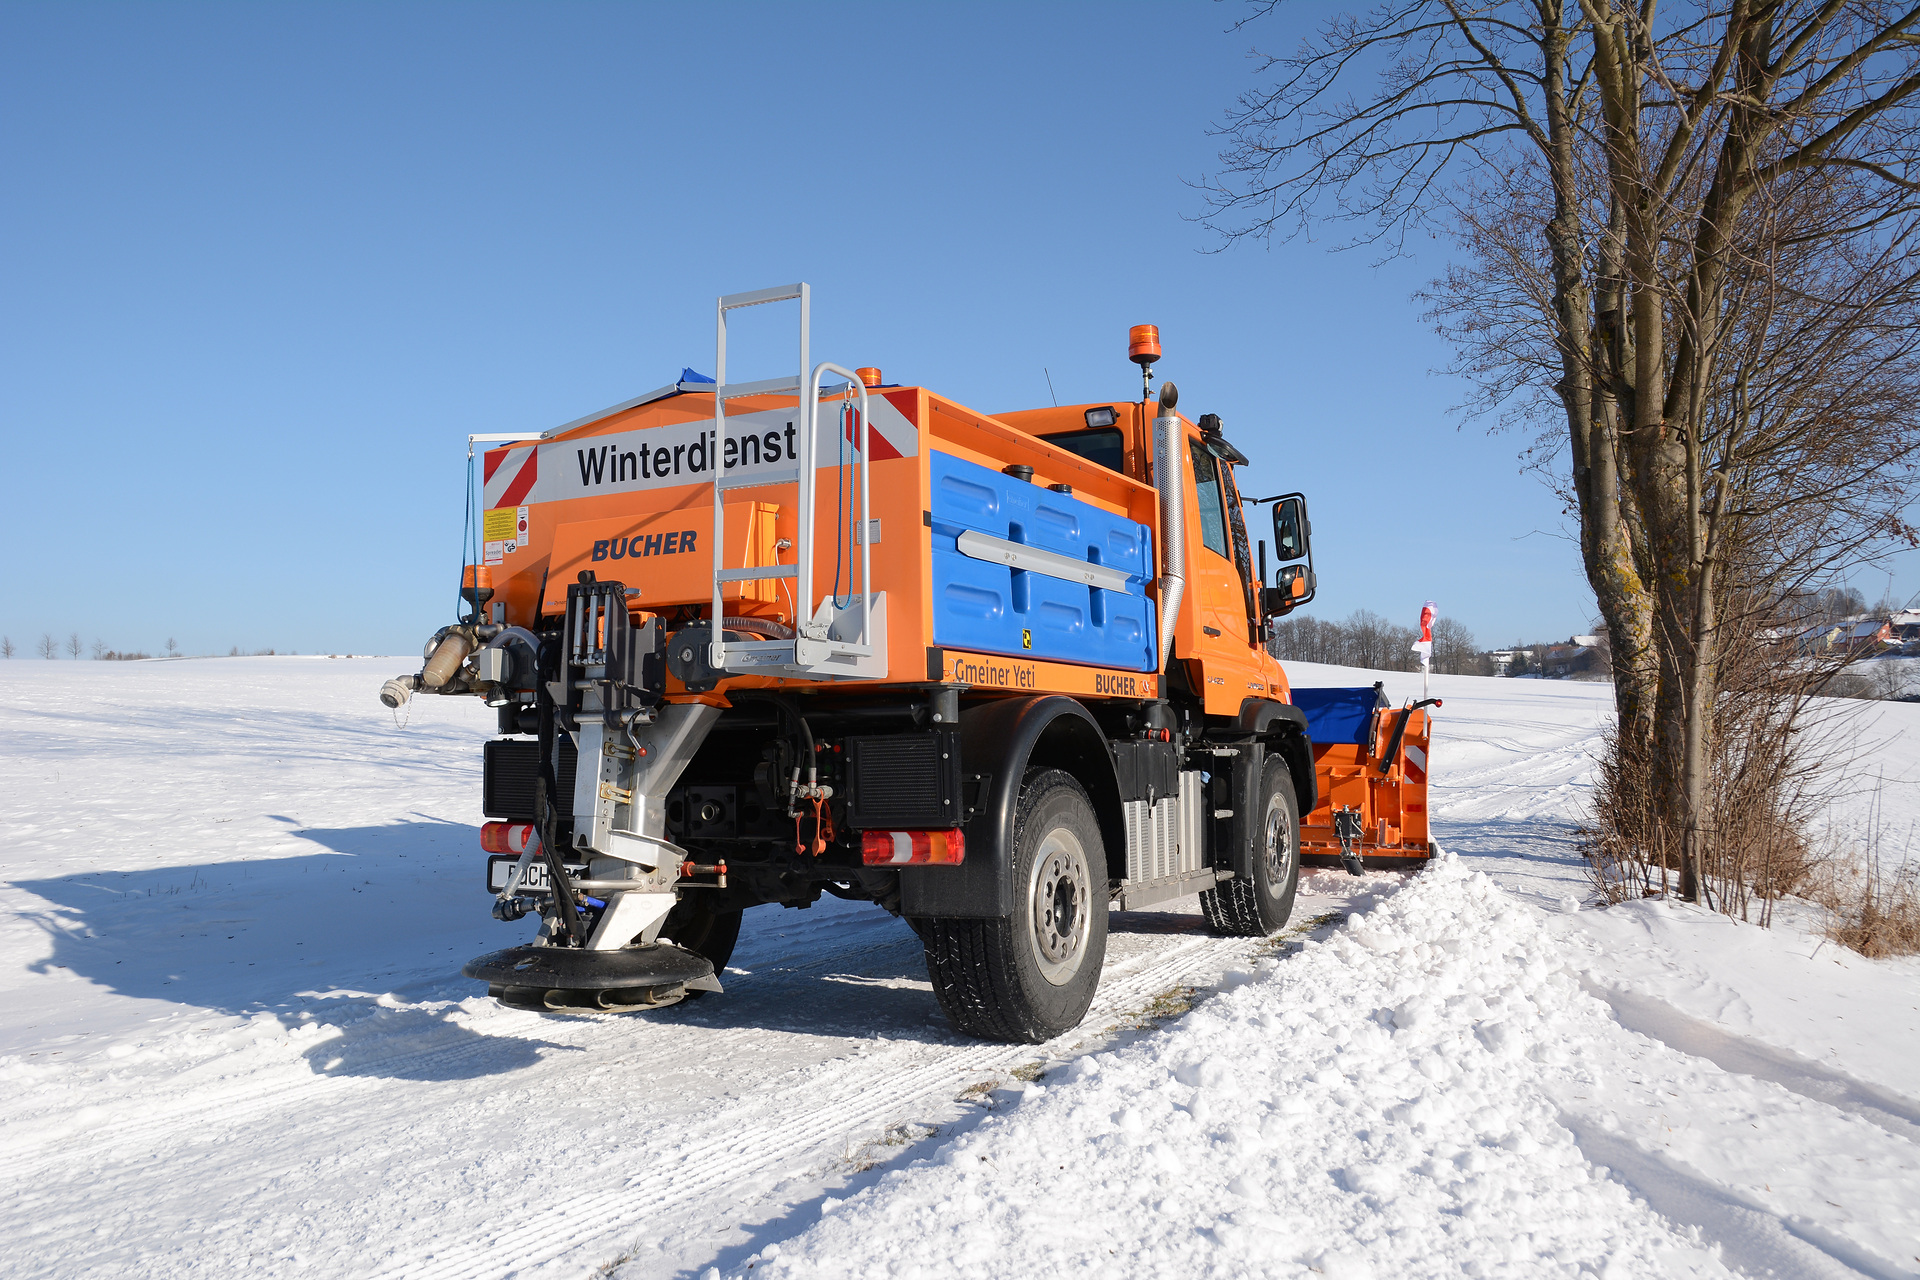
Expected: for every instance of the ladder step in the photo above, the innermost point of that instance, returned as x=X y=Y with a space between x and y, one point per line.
x=785 y=475
x=755 y=575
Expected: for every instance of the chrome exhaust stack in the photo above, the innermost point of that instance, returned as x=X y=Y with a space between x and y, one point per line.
x=1168 y=475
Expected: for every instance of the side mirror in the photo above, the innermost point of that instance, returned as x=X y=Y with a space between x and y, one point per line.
x=1293 y=587
x=1292 y=531
x=1295 y=584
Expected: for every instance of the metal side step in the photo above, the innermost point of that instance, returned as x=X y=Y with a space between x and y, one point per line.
x=1135 y=894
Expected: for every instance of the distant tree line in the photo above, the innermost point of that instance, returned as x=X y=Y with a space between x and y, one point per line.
x=1365 y=639
x=50 y=647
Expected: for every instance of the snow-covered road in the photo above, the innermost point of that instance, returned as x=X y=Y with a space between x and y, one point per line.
x=234 y=1036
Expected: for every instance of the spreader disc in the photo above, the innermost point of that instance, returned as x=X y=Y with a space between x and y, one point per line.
x=659 y=965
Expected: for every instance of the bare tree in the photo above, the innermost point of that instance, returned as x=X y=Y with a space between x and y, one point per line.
x=99 y=648
x=1718 y=343
x=1455 y=651
x=73 y=645
x=49 y=647
x=173 y=649
x=6 y=646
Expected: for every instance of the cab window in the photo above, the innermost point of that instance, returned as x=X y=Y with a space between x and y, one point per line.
x=1206 y=482
x=1102 y=445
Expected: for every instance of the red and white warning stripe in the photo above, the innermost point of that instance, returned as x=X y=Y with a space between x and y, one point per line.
x=1416 y=763
x=510 y=475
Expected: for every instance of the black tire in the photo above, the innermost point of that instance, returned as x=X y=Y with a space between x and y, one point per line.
x=699 y=927
x=1030 y=976
x=1259 y=899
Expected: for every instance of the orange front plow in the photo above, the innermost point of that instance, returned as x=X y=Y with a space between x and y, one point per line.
x=1370 y=761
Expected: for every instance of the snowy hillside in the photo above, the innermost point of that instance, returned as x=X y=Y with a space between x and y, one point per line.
x=236 y=899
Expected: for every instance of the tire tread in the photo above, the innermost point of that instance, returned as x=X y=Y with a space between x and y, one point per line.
x=972 y=962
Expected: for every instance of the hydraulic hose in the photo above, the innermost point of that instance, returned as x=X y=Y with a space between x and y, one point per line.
x=1169 y=476
x=759 y=626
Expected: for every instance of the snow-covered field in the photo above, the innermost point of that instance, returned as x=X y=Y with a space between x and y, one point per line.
x=233 y=1037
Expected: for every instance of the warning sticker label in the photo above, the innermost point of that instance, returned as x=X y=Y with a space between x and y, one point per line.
x=500 y=525
x=497 y=552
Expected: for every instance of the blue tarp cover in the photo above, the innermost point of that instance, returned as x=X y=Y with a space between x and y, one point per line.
x=1338 y=715
x=688 y=375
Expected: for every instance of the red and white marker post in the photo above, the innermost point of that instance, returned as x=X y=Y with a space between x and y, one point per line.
x=1424 y=645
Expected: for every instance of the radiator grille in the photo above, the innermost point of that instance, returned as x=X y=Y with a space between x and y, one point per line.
x=508 y=774
x=904 y=780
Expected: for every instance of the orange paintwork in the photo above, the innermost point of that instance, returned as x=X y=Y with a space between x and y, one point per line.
x=1392 y=806
x=670 y=554
x=1226 y=668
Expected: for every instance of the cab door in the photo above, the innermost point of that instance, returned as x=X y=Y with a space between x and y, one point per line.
x=1219 y=639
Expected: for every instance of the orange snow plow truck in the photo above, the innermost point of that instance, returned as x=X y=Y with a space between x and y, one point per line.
x=754 y=642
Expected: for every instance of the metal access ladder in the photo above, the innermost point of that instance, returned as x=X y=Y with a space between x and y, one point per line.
x=832 y=640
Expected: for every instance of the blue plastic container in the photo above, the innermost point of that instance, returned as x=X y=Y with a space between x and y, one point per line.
x=994 y=608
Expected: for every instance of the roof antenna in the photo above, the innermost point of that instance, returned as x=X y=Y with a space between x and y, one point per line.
x=1050 y=390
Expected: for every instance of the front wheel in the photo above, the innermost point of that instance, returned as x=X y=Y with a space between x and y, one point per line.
x=1259 y=899
x=1030 y=976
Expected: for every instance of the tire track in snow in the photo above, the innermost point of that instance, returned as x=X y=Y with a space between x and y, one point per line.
x=228 y=1105
x=1742 y=1055
x=729 y=1157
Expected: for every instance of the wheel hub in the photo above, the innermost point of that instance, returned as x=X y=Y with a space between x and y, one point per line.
x=1061 y=898
x=1276 y=846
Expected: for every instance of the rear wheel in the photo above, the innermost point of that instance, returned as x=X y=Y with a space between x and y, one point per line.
x=1259 y=899
x=1030 y=976
x=696 y=925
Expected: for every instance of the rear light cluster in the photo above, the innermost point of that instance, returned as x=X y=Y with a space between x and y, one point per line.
x=506 y=837
x=901 y=848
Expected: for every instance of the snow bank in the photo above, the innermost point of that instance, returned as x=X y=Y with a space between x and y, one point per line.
x=1388 y=1102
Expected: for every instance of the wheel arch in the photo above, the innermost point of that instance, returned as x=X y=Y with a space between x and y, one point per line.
x=1003 y=739
x=1284 y=728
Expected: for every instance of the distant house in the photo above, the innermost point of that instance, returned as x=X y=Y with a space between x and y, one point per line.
x=1579 y=655
x=1503 y=659
x=1850 y=637
x=1905 y=625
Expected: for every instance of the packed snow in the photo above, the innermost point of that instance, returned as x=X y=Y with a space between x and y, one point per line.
x=235 y=1037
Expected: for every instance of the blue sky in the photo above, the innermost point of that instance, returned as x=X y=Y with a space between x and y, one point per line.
x=267 y=265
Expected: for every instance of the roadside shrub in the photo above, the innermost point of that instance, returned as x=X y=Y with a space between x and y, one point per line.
x=1874 y=913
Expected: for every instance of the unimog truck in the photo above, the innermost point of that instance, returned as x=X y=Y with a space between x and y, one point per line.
x=754 y=642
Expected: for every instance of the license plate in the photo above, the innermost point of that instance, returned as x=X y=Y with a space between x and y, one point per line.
x=537 y=880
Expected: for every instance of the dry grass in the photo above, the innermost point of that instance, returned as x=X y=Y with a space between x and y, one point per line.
x=1883 y=921
x=1170 y=1003
x=1870 y=910
x=871 y=1155
x=979 y=1093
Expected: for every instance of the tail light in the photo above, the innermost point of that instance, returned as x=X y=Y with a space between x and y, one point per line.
x=506 y=837
x=903 y=848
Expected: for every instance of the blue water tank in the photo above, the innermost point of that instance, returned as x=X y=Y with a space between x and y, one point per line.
x=979 y=604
